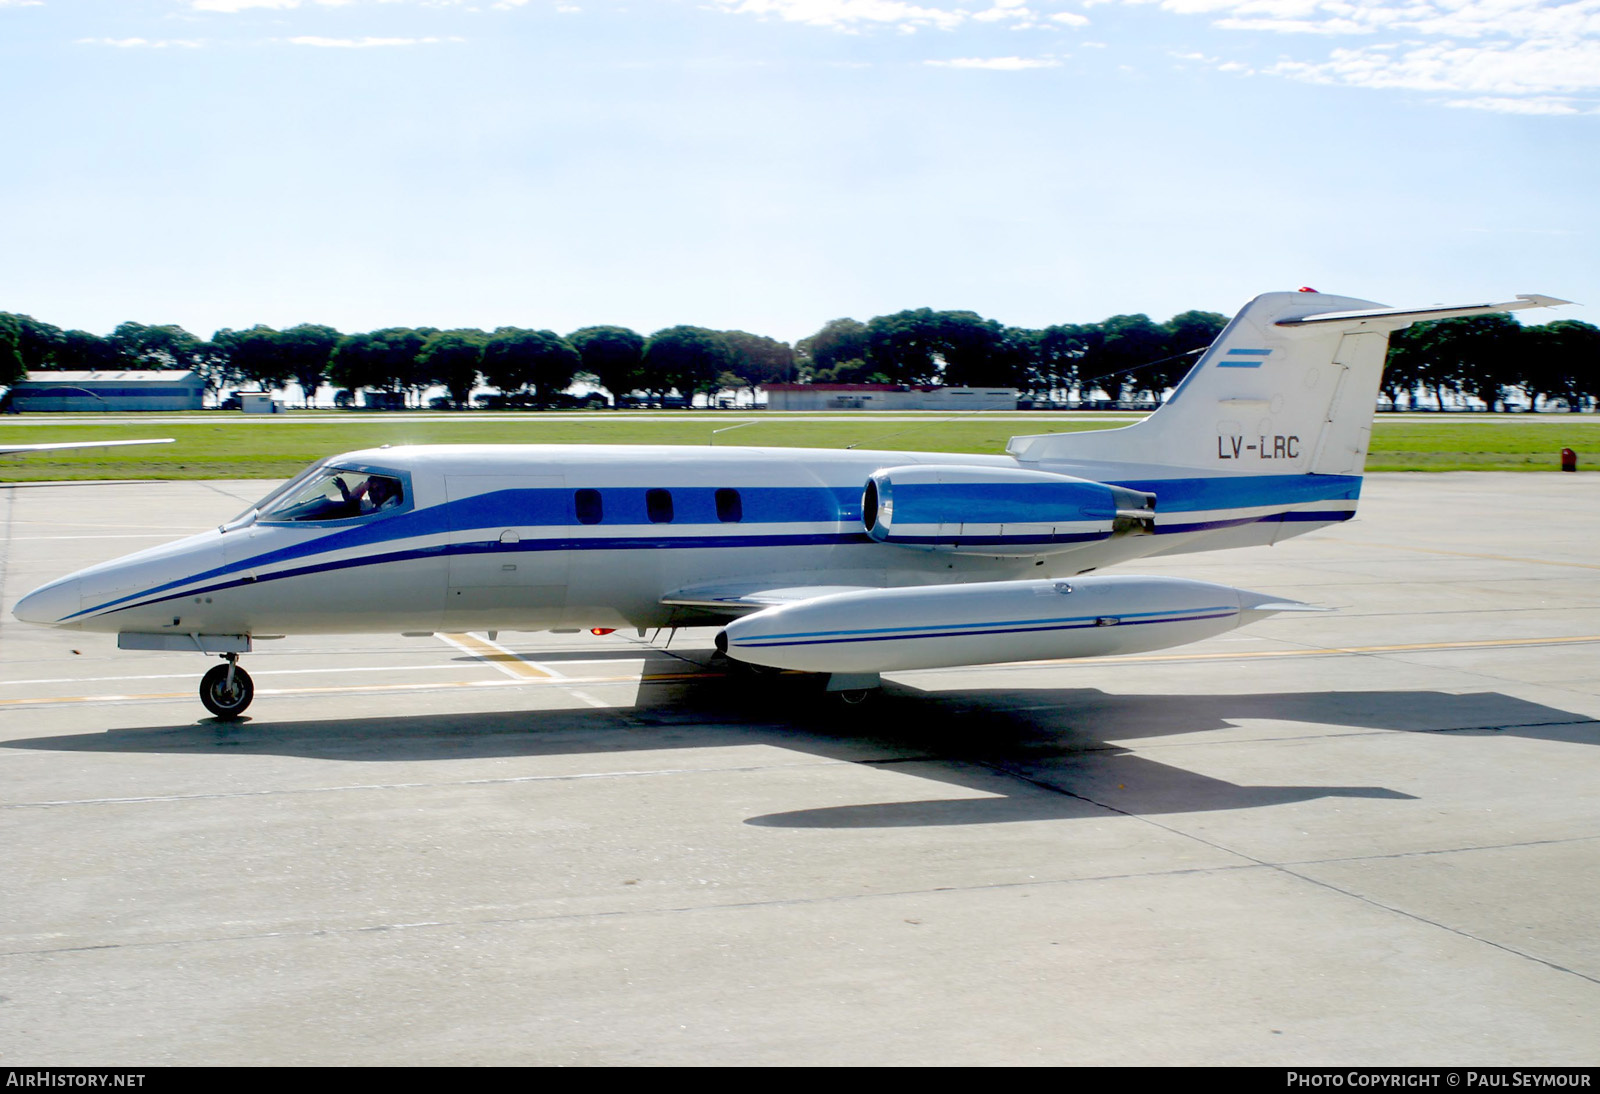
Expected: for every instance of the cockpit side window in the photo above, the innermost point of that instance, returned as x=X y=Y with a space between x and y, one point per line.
x=339 y=494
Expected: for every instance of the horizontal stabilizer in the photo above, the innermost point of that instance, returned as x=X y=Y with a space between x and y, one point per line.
x=1383 y=318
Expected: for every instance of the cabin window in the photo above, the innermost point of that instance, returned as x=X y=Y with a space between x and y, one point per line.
x=658 y=506
x=587 y=503
x=730 y=508
x=338 y=494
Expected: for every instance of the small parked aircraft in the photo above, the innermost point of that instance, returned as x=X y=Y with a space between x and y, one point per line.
x=848 y=563
x=8 y=449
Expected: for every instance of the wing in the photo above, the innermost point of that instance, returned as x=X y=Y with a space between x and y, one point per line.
x=742 y=599
x=6 y=449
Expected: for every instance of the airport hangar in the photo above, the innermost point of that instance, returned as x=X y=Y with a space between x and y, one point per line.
x=109 y=390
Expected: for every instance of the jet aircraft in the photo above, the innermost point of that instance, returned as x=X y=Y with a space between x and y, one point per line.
x=848 y=563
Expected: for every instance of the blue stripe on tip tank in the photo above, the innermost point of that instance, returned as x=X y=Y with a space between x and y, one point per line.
x=1023 y=623
x=982 y=630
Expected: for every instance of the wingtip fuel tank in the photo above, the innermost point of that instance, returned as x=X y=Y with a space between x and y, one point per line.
x=890 y=630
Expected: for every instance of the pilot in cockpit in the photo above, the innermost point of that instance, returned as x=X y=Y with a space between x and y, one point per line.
x=376 y=492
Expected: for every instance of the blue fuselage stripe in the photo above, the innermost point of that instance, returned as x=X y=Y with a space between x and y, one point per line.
x=838 y=507
x=983 y=630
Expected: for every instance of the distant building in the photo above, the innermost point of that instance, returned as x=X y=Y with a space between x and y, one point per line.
x=256 y=402
x=887 y=397
x=110 y=389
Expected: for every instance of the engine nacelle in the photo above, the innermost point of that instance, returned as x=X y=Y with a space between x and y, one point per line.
x=998 y=510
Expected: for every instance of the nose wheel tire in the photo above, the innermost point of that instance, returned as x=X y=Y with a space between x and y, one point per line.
x=225 y=700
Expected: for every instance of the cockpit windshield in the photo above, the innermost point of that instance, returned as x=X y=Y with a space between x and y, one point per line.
x=337 y=494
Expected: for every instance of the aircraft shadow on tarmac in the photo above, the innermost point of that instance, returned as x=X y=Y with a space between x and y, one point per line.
x=1032 y=754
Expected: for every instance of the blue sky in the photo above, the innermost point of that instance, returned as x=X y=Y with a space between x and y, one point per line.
x=773 y=164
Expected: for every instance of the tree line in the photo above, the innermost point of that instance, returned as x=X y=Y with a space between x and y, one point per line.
x=1488 y=357
x=1127 y=357
x=535 y=364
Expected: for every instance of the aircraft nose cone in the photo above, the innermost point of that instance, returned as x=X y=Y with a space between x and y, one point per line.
x=50 y=603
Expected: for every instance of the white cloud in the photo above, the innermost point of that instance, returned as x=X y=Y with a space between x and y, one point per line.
x=1510 y=56
x=240 y=5
x=1005 y=9
x=998 y=64
x=234 y=6
x=365 y=43
x=908 y=17
x=851 y=14
x=141 y=43
x=1523 y=68
x=1296 y=26
x=1505 y=105
x=1441 y=18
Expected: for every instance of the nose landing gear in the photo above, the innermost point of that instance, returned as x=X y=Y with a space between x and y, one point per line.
x=227 y=689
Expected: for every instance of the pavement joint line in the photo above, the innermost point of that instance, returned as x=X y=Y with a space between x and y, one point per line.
x=506 y=780
x=1438 y=851
x=1457 y=931
x=687 y=909
x=1287 y=870
x=1210 y=738
x=1475 y=554
x=1191 y=741
x=513 y=921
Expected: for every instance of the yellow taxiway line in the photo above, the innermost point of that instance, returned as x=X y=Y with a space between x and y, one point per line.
x=493 y=653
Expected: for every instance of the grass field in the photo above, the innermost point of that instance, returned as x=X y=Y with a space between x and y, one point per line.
x=227 y=446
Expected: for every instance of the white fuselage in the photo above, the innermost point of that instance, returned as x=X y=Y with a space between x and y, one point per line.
x=534 y=537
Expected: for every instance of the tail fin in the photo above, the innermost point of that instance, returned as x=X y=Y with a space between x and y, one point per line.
x=1288 y=388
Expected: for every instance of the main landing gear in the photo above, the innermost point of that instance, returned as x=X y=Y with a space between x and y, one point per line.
x=227 y=689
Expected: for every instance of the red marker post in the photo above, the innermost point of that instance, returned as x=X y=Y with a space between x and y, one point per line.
x=1569 y=460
